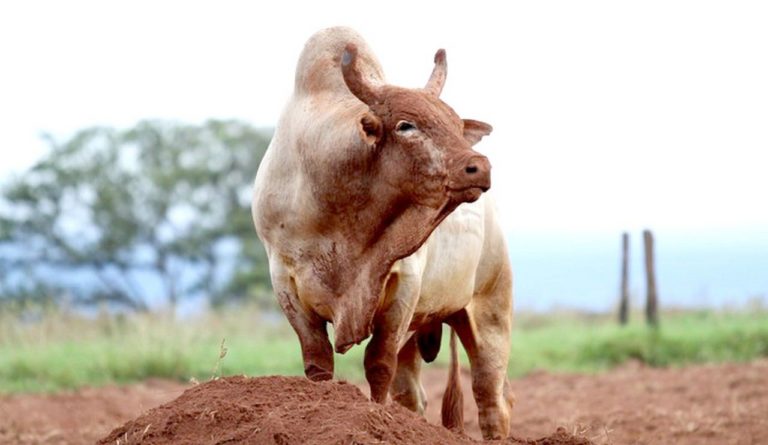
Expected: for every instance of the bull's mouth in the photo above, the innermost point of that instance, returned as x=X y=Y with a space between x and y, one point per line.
x=468 y=194
x=483 y=186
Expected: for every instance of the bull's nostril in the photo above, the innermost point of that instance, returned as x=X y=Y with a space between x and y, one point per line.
x=471 y=169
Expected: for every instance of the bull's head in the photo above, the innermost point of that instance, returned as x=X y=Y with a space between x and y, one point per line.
x=415 y=166
x=426 y=147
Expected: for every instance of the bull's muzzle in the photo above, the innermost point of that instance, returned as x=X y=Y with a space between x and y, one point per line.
x=470 y=177
x=477 y=172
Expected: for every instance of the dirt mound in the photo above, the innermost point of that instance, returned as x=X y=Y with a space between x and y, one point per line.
x=712 y=404
x=288 y=410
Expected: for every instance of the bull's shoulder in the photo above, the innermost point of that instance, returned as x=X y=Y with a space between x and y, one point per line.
x=319 y=66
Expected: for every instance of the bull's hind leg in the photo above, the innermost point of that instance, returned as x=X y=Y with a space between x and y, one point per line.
x=486 y=340
x=484 y=328
x=406 y=388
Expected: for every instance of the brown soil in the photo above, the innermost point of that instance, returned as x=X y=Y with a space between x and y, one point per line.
x=636 y=404
x=710 y=404
x=82 y=416
x=282 y=411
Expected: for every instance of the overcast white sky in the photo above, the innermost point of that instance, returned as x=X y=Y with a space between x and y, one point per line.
x=608 y=115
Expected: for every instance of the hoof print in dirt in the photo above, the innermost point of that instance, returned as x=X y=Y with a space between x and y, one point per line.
x=288 y=410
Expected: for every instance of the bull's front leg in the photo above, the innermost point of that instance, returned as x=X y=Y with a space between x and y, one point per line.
x=390 y=329
x=316 y=350
x=381 y=361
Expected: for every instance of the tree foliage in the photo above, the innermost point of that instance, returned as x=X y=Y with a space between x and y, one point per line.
x=158 y=212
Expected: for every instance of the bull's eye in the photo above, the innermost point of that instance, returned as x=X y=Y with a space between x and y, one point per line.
x=404 y=126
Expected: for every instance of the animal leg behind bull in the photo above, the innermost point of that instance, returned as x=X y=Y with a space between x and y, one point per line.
x=424 y=344
x=406 y=387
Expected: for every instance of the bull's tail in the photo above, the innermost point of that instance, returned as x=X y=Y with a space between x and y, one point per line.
x=453 y=399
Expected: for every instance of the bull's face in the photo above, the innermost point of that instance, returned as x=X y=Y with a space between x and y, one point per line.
x=422 y=145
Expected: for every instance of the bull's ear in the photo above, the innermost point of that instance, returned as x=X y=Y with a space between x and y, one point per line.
x=371 y=129
x=475 y=130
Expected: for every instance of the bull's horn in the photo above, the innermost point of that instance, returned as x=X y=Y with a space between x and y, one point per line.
x=354 y=79
x=437 y=79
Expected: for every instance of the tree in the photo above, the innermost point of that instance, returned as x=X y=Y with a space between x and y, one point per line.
x=159 y=212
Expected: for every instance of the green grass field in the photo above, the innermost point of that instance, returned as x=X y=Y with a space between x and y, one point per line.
x=58 y=351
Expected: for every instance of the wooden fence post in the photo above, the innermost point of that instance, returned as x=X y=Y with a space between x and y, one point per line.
x=624 y=301
x=651 y=302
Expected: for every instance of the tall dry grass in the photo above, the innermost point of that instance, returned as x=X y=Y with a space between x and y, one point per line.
x=53 y=349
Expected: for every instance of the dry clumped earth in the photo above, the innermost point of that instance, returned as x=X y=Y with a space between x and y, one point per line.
x=634 y=404
x=286 y=410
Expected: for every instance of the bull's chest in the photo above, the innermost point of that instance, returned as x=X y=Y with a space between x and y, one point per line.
x=453 y=253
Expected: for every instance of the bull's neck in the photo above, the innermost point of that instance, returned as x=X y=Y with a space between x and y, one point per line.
x=387 y=229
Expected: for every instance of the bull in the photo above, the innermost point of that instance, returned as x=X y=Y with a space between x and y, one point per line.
x=370 y=203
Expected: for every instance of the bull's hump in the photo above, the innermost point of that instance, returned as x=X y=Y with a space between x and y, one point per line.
x=319 y=66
